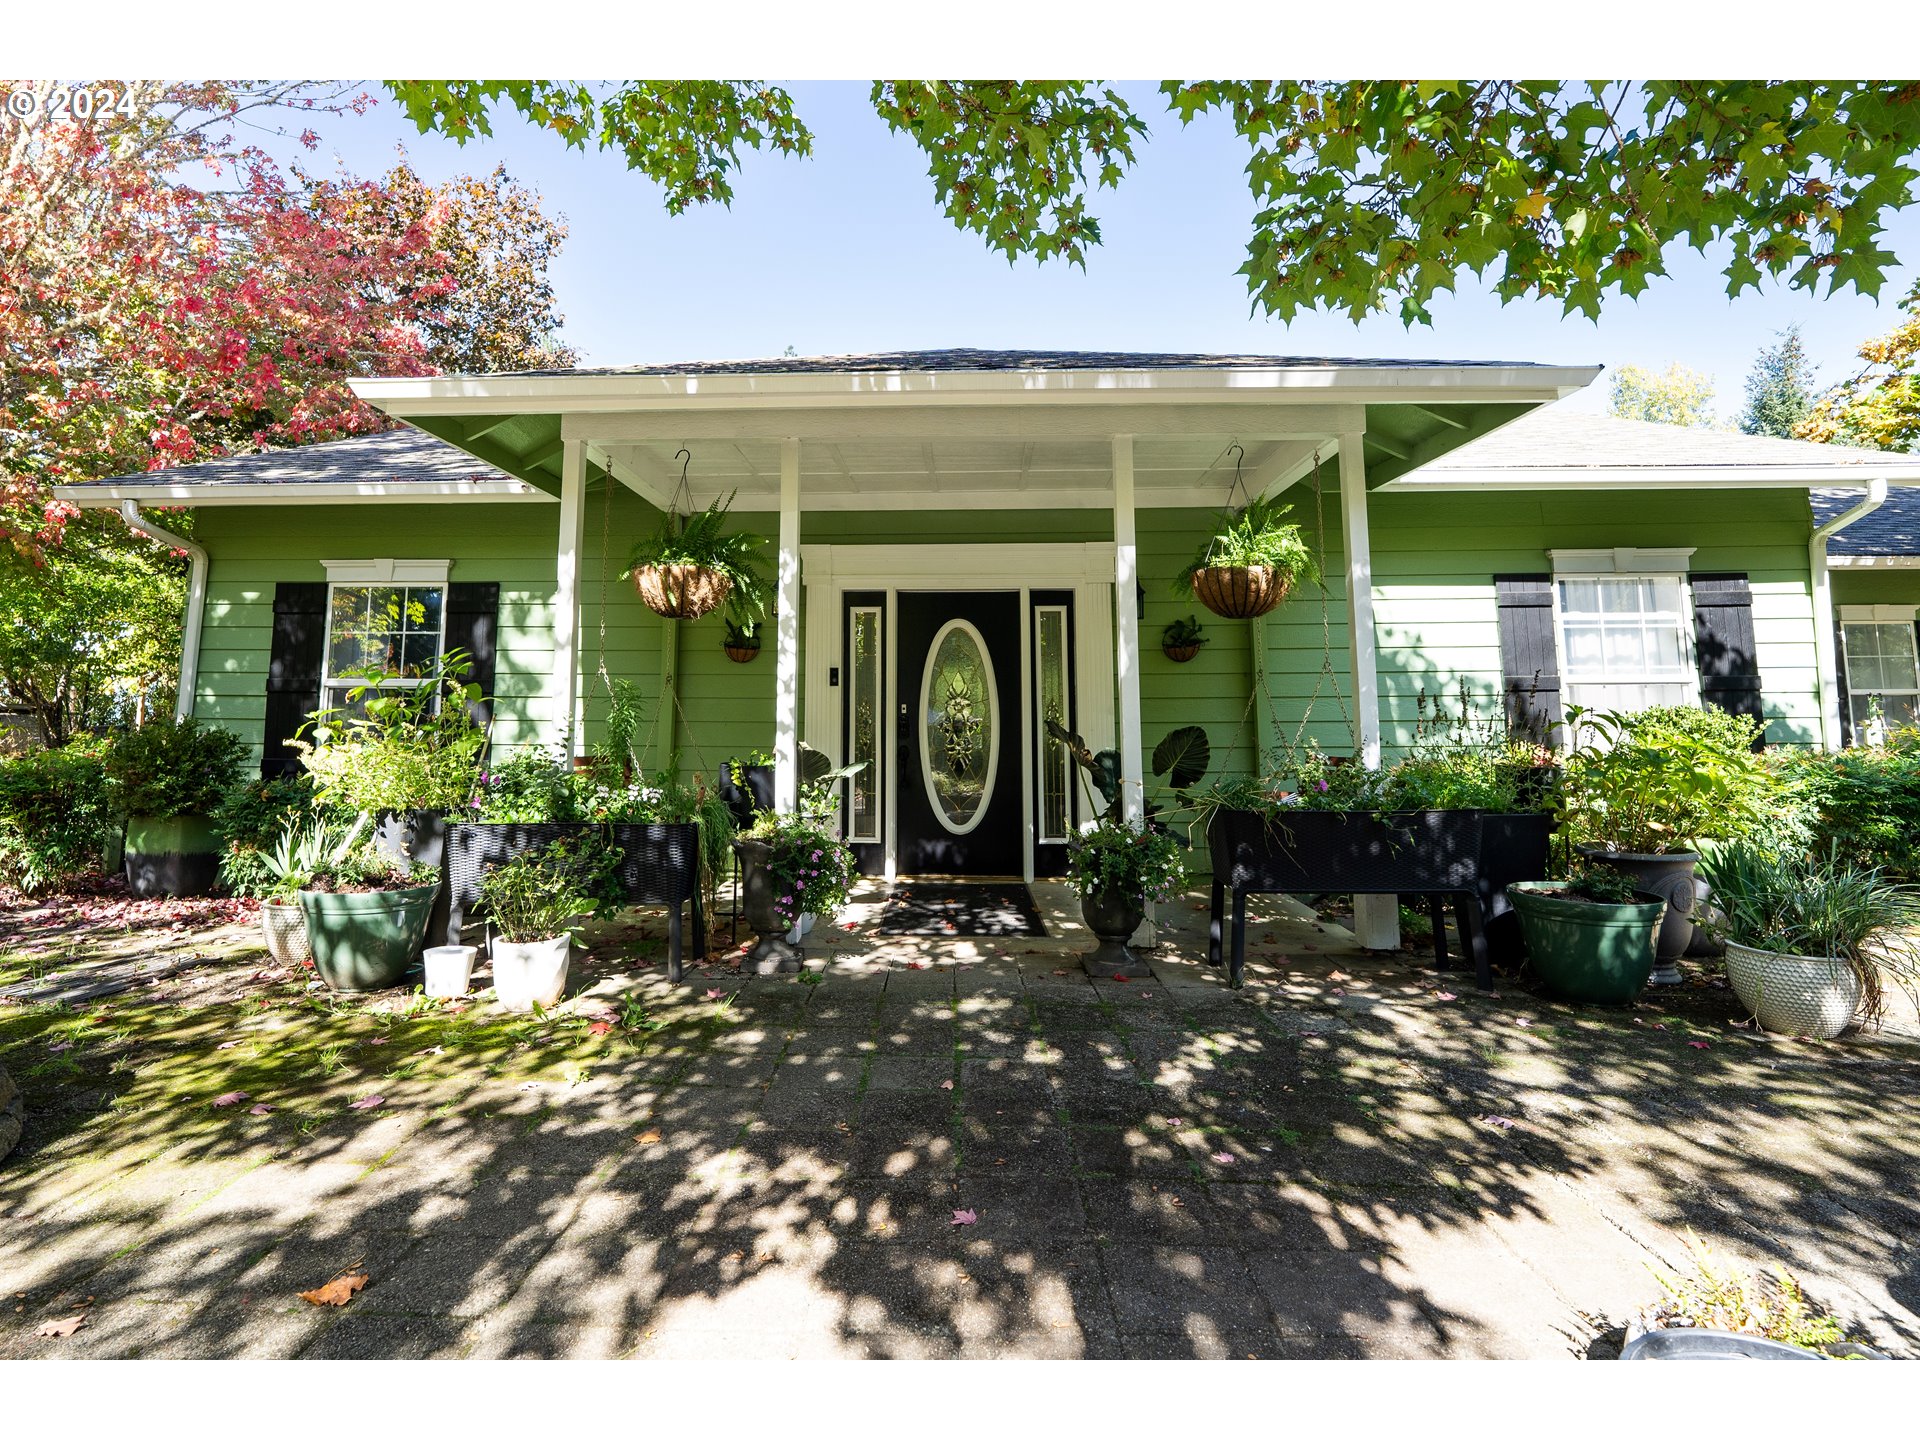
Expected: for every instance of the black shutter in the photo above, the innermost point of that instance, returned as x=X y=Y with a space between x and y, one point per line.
x=1723 y=644
x=1528 y=661
x=293 y=672
x=473 y=624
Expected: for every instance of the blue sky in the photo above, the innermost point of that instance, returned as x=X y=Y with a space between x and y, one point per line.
x=848 y=252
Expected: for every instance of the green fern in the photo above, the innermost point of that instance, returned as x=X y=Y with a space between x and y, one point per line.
x=702 y=539
x=1261 y=534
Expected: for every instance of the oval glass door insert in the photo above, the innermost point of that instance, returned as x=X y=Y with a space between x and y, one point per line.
x=960 y=727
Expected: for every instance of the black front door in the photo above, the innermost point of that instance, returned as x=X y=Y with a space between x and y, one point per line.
x=958 y=736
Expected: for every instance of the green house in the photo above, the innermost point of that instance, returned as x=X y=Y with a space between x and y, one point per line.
x=1007 y=525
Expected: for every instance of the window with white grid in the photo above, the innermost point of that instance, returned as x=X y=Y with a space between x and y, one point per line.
x=1626 y=641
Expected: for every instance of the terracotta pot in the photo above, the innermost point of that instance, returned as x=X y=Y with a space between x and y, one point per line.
x=1180 y=654
x=681 y=592
x=1240 y=592
x=742 y=654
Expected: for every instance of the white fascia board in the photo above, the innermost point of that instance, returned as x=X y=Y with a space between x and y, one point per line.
x=1877 y=614
x=1675 y=477
x=108 y=497
x=1874 y=562
x=1347 y=384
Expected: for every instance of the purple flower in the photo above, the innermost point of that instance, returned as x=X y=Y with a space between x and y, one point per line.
x=1323 y=787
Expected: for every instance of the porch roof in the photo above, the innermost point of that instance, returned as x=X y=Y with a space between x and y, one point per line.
x=966 y=428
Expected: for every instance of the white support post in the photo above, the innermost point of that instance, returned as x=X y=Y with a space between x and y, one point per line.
x=566 y=597
x=786 y=704
x=1376 y=918
x=1126 y=581
x=1821 y=583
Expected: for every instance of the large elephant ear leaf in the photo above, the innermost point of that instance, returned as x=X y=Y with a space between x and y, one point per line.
x=1183 y=756
x=1106 y=775
x=1076 y=747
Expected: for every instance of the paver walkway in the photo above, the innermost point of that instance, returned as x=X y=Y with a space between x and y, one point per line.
x=1353 y=1157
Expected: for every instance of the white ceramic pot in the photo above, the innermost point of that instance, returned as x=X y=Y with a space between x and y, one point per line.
x=800 y=929
x=531 y=974
x=449 y=969
x=284 y=924
x=1812 y=995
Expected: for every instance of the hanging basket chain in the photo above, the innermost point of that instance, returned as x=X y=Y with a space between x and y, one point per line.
x=1328 y=676
x=1236 y=484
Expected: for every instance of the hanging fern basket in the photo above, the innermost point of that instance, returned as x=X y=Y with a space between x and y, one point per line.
x=681 y=592
x=1240 y=592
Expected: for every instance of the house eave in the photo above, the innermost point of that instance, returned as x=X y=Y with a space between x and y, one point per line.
x=1666 y=477
x=108 y=497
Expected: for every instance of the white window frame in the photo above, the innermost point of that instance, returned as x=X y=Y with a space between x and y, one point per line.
x=1039 y=738
x=359 y=575
x=1851 y=615
x=1625 y=564
x=881 y=730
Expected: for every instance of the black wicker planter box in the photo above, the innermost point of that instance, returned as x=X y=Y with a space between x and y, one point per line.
x=660 y=865
x=1315 y=852
x=1513 y=846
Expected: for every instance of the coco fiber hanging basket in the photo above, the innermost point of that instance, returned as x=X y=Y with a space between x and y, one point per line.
x=681 y=592
x=1240 y=592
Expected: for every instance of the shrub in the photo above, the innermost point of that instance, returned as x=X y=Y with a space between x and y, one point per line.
x=1863 y=805
x=530 y=787
x=409 y=749
x=250 y=821
x=56 y=818
x=1654 y=783
x=1720 y=1294
x=169 y=767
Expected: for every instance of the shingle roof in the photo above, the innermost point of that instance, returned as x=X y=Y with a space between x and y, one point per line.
x=1554 y=438
x=393 y=457
x=1893 y=529
x=964 y=359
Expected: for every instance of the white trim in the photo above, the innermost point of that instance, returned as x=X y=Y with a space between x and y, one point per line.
x=1126 y=579
x=1894 y=471
x=786 y=623
x=996 y=722
x=423 y=492
x=1376 y=918
x=890 y=816
x=190 y=628
x=1825 y=660
x=1874 y=562
x=1878 y=614
x=387 y=572
x=1622 y=560
x=1902 y=620
x=923 y=493
x=1029 y=684
x=571 y=734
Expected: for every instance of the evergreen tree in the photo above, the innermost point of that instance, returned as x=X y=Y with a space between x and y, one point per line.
x=1779 y=388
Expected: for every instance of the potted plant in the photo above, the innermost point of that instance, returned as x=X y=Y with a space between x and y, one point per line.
x=534 y=901
x=1810 y=943
x=1638 y=792
x=366 y=912
x=1181 y=640
x=1118 y=870
x=306 y=847
x=690 y=566
x=1717 y=1309
x=167 y=777
x=1590 y=936
x=742 y=642
x=1251 y=563
x=791 y=866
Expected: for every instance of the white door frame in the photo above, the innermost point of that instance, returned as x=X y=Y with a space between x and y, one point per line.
x=829 y=572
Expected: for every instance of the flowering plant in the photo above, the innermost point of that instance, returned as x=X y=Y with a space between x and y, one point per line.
x=1110 y=856
x=812 y=870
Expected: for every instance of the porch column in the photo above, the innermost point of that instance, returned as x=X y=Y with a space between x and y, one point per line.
x=1126 y=580
x=1376 y=918
x=786 y=693
x=566 y=597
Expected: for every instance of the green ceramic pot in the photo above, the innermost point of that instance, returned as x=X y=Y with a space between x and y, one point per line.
x=1585 y=951
x=366 y=941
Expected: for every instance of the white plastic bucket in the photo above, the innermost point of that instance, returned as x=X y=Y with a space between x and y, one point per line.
x=449 y=969
x=532 y=974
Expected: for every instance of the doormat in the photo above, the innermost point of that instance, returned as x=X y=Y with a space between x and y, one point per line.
x=960 y=908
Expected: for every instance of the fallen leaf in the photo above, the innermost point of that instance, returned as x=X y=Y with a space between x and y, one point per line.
x=919 y=964
x=964 y=1217
x=232 y=1097
x=378 y=1040
x=1445 y=995
x=1699 y=1044
x=1121 y=980
x=647 y=1137
x=261 y=1110
x=226 y=1044
x=1521 y=1020
x=1340 y=977
x=599 y=1027
x=59 y=1045
x=60 y=1329
x=946 y=1084
x=337 y=1291
x=715 y=994
x=1499 y=1122
x=368 y=1102
x=1221 y=1157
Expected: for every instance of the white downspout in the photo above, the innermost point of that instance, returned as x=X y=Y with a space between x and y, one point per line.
x=1823 y=610
x=196 y=600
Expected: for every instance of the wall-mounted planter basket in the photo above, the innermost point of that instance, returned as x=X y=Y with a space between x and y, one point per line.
x=1180 y=654
x=742 y=654
x=659 y=865
x=1240 y=592
x=681 y=592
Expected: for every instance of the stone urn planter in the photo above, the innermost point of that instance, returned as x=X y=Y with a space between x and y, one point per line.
x=1671 y=878
x=1812 y=995
x=284 y=925
x=1114 y=918
x=774 y=953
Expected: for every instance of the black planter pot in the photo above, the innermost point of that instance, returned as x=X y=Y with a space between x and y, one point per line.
x=172 y=855
x=774 y=954
x=749 y=795
x=1513 y=846
x=418 y=837
x=1114 y=917
x=1671 y=878
x=659 y=865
